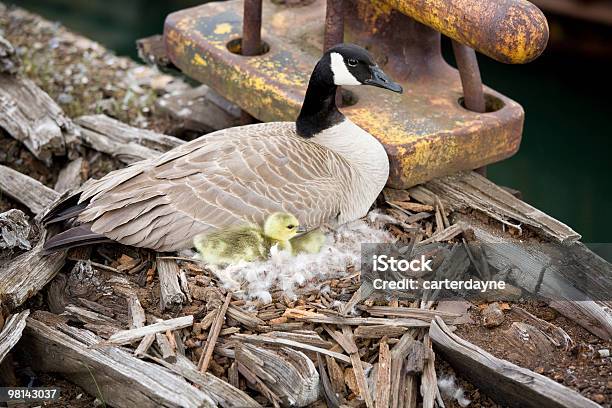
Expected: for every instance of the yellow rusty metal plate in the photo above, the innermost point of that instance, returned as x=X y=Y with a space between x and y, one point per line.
x=426 y=132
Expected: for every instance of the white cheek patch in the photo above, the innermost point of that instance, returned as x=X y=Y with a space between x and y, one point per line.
x=342 y=75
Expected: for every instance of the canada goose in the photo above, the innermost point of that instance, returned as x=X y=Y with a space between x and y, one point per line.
x=309 y=243
x=248 y=242
x=323 y=168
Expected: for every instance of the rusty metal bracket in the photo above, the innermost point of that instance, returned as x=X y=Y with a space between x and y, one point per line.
x=438 y=126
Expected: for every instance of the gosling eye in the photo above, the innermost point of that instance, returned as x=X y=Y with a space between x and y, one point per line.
x=290 y=226
x=351 y=62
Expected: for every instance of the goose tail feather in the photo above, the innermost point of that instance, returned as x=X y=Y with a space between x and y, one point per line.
x=76 y=236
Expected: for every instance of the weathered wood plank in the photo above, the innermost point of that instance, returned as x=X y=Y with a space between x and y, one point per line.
x=23 y=276
x=136 y=314
x=506 y=383
x=25 y=190
x=571 y=277
x=383 y=378
x=410 y=312
x=171 y=296
x=290 y=374
x=29 y=115
x=132 y=335
x=144 y=345
x=14 y=230
x=167 y=351
x=351 y=348
x=291 y=343
x=120 y=378
x=126 y=143
x=224 y=394
x=213 y=334
x=471 y=190
x=11 y=332
x=71 y=176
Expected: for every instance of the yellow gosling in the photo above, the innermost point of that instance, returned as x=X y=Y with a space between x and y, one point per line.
x=247 y=243
x=309 y=243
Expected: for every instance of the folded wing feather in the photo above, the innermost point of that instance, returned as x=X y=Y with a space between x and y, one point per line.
x=222 y=179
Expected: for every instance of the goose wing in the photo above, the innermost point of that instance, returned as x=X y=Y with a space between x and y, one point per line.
x=221 y=179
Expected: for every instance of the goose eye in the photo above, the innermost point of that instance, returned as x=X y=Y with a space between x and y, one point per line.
x=352 y=62
x=290 y=226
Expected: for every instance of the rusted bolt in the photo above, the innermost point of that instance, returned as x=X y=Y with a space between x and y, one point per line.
x=473 y=94
x=251 y=28
x=467 y=63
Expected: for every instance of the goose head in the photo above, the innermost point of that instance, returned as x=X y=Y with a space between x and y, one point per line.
x=351 y=64
x=282 y=226
x=342 y=65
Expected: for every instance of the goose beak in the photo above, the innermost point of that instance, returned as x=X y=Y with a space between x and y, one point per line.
x=381 y=80
x=301 y=229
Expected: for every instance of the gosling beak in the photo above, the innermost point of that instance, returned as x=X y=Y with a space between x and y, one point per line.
x=381 y=80
x=301 y=229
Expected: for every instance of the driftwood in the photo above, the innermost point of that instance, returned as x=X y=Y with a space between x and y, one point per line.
x=90 y=317
x=144 y=345
x=28 y=273
x=213 y=334
x=379 y=331
x=348 y=344
x=126 y=143
x=403 y=387
x=11 y=332
x=25 y=190
x=506 y=383
x=303 y=336
x=568 y=275
x=288 y=373
x=224 y=394
x=200 y=109
x=291 y=343
x=383 y=375
x=9 y=63
x=136 y=314
x=171 y=297
x=331 y=397
x=71 y=176
x=112 y=374
x=167 y=351
x=429 y=383
x=410 y=312
x=471 y=190
x=29 y=115
x=14 y=230
x=298 y=314
x=130 y=336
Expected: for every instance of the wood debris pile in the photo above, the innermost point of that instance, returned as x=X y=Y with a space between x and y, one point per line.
x=136 y=328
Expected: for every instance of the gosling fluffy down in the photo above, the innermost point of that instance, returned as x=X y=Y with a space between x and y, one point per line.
x=309 y=243
x=249 y=242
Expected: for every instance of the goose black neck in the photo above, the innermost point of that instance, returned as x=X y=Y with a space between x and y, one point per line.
x=319 y=111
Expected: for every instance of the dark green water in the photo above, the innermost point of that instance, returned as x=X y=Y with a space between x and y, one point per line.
x=564 y=164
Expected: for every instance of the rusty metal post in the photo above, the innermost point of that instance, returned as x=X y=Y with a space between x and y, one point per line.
x=251 y=28
x=251 y=40
x=473 y=94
